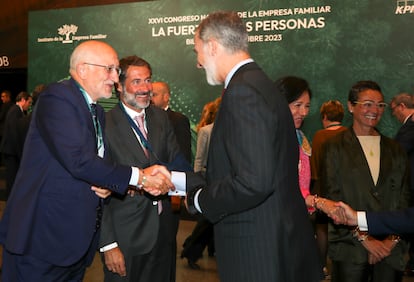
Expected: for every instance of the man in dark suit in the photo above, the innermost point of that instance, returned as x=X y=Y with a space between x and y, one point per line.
x=262 y=230
x=161 y=98
x=6 y=103
x=378 y=223
x=402 y=107
x=49 y=230
x=137 y=237
x=10 y=142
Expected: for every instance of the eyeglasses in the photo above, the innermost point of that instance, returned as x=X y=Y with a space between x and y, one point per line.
x=369 y=104
x=394 y=107
x=109 y=69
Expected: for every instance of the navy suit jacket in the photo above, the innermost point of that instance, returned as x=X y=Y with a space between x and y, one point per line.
x=395 y=222
x=262 y=230
x=51 y=212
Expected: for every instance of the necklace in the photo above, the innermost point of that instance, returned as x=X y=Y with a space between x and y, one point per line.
x=370 y=144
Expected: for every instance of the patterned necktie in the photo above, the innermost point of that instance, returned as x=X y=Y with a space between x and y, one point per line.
x=98 y=133
x=140 y=121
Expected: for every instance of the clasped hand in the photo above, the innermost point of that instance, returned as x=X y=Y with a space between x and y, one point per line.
x=157 y=180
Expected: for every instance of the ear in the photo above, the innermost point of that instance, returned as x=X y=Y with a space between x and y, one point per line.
x=212 y=47
x=81 y=70
x=350 y=107
x=119 y=87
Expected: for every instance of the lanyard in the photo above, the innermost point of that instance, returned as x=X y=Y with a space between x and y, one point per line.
x=134 y=126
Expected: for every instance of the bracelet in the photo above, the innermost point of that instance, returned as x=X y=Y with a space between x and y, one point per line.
x=143 y=179
x=319 y=201
x=394 y=238
x=360 y=235
x=315 y=197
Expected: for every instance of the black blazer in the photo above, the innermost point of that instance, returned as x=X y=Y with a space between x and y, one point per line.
x=345 y=176
x=262 y=229
x=181 y=126
x=9 y=142
x=405 y=137
x=133 y=222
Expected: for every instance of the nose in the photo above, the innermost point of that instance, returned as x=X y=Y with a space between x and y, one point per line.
x=304 y=111
x=200 y=66
x=114 y=76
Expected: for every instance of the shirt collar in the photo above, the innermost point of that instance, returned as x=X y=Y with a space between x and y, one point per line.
x=132 y=113
x=405 y=120
x=234 y=69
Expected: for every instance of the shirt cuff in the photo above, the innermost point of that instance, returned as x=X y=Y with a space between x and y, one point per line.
x=362 y=221
x=134 y=176
x=196 y=205
x=178 y=178
x=108 y=247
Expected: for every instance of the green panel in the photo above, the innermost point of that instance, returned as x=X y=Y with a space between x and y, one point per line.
x=339 y=43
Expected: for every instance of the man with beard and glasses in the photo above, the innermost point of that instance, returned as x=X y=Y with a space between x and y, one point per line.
x=138 y=234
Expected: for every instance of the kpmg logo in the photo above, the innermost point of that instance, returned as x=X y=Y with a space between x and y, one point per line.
x=67 y=34
x=404 y=7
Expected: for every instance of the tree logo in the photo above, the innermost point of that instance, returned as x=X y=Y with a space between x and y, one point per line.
x=67 y=30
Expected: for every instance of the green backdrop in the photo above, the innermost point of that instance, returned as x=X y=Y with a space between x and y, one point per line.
x=332 y=44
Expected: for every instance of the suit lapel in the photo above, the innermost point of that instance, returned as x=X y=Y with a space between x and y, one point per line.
x=124 y=128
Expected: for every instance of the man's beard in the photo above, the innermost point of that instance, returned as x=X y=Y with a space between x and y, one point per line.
x=211 y=72
x=130 y=99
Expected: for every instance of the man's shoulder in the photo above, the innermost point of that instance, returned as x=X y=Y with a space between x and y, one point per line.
x=177 y=115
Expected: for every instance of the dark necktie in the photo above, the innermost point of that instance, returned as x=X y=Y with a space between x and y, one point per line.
x=98 y=133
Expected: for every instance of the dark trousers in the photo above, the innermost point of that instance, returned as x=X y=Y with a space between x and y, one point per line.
x=11 y=162
x=199 y=239
x=351 y=272
x=159 y=265
x=23 y=268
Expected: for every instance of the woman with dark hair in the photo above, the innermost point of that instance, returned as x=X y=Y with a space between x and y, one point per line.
x=298 y=94
x=369 y=172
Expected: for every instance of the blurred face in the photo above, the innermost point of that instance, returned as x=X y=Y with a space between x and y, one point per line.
x=206 y=61
x=368 y=110
x=300 y=109
x=159 y=97
x=27 y=103
x=397 y=112
x=137 y=88
x=5 y=98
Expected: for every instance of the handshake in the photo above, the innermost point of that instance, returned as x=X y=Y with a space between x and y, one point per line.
x=155 y=180
x=339 y=212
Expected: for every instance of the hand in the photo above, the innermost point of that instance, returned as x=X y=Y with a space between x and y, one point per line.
x=350 y=215
x=115 y=261
x=101 y=192
x=157 y=180
x=330 y=208
x=377 y=250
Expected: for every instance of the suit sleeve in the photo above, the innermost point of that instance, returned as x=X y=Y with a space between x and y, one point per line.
x=246 y=152
x=66 y=127
x=394 y=222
